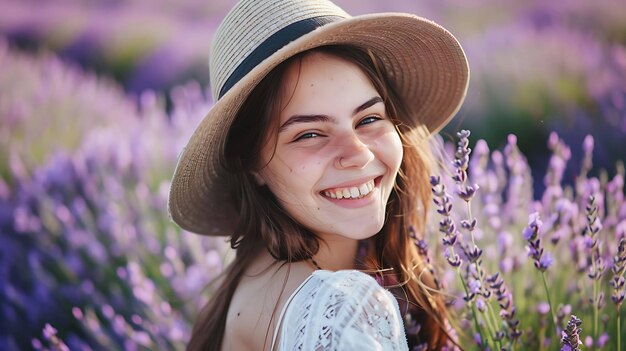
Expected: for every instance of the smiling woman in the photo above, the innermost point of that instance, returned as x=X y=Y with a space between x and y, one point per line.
x=315 y=162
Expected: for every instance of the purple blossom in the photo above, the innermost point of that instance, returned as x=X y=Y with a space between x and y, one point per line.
x=507 y=309
x=478 y=339
x=412 y=328
x=461 y=164
x=618 y=282
x=535 y=251
x=596 y=268
x=480 y=305
x=474 y=286
x=543 y=308
x=570 y=337
x=50 y=334
x=473 y=253
x=446 y=225
x=545 y=261
x=603 y=340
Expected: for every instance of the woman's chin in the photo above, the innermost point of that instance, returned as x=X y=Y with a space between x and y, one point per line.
x=357 y=231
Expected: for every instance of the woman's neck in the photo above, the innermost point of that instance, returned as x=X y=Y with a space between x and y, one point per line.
x=336 y=254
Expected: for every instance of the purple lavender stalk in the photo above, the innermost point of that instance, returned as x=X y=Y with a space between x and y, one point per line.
x=507 y=309
x=554 y=175
x=618 y=282
x=619 y=267
x=450 y=234
x=596 y=269
x=447 y=228
x=471 y=250
x=570 y=338
x=461 y=163
x=593 y=244
x=542 y=261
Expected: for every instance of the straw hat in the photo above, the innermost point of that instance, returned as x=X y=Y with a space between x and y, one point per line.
x=423 y=60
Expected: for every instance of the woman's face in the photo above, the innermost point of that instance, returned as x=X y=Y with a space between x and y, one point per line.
x=334 y=161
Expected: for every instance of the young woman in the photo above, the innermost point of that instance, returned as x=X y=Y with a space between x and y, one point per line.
x=314 y=160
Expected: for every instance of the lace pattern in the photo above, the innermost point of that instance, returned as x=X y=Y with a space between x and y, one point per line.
x=344 y=310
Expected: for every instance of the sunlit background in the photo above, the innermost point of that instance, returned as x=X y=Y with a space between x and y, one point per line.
x=97 y=97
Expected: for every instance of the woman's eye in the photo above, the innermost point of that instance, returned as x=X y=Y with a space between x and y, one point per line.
x=369 y=120
x=309 y=135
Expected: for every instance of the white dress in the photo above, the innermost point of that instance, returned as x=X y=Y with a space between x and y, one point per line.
x=343 y=310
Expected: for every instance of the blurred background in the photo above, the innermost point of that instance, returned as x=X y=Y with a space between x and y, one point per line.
x=97 y=97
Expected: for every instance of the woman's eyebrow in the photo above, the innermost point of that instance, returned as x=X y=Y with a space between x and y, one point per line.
x=303 y=119
x=324 y=118
x=371 y=102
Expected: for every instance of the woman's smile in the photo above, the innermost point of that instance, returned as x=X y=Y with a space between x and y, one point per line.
x=350 y=192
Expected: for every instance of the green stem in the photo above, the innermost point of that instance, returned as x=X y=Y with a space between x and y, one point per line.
x=545 y=285
x=494 y=321
x=469 y=218
x=595 y=301
x=542 y=339
x=489 y=319
x=619 y=329
x=595 y=313
x=473 y=307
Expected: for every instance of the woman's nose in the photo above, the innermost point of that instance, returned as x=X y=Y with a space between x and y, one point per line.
x=353 y=153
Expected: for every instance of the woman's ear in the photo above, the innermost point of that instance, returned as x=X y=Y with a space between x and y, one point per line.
x=258 y=178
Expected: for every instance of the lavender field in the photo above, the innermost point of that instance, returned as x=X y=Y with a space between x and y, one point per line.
x=528 y=222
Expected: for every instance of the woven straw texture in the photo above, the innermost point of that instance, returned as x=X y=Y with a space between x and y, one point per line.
x=249 y=24
x=424 y=61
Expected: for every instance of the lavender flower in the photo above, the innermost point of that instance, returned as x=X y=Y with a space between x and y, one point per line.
x=593 y=223
x=618 y=283
x=412 y=328
x=596 y=268
x=50 y=334
x=570 y=339
x=100 y=201
x=587 y=163
x=507 y=309
x=619 y=267
x=446 y=226
x=535 y=251
x=461 y=163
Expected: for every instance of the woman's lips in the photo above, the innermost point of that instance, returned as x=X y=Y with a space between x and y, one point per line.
x=352 y=192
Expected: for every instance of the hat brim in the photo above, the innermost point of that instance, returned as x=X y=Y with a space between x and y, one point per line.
x=423 y=60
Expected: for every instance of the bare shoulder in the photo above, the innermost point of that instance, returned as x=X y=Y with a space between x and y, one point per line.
x=258 y=300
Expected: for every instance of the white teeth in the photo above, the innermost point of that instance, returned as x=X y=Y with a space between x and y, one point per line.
x=346 y=193
x=352 y=192
x=364 y=189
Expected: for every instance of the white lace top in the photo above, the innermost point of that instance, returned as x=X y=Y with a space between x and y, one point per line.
x=343 y=310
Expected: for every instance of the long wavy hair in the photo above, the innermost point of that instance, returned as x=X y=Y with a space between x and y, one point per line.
x=263 y=224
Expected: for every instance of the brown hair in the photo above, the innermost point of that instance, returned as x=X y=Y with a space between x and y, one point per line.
x=263 y=223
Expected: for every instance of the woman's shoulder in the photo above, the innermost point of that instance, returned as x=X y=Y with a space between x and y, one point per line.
x=345 y=286
x=346 y=309
x=345 y=290
x=257 y=302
